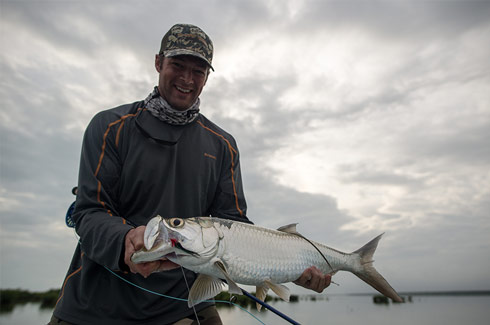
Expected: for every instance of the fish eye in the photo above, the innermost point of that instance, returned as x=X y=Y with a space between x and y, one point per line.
x=176 y=222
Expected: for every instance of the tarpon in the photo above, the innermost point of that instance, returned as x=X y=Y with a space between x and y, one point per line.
x=237 y=252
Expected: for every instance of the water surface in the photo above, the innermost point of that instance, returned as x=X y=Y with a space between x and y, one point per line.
x=338 y=310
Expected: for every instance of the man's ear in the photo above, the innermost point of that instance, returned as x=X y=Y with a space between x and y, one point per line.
x=158 y=65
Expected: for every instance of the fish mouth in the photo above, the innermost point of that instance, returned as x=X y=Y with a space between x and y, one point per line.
x=157 y=252
x=162 y=242
x=162 y=251
x=175 y=243
x=174 y=256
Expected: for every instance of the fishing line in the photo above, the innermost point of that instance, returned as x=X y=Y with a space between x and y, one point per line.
x=319 y=251
x=175 y=298
x=312 y=244
x=189 y=291
x=252 y=297
x=71 y=224
x=181 y=299
x=170 y=297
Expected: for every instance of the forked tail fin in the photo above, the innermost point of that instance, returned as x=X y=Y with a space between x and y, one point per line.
x=369 y=274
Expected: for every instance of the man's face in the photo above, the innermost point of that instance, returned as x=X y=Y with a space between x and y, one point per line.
x=181 y=79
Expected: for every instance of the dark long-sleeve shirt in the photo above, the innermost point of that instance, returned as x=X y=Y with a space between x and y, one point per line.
x=132 y=168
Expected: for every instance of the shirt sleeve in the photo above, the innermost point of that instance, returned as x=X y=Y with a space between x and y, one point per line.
x=102 y=231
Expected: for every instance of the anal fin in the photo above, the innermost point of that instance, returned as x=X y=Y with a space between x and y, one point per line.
x=261 y=293
x=281 y=290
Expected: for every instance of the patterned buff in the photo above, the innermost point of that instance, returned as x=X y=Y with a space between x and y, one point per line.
x=162 y=110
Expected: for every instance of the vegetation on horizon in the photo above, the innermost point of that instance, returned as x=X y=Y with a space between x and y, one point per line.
x=47 y=299
x=11 y=297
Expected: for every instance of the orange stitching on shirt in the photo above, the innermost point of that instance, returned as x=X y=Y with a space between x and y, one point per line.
x=101 y=157
x=232 y=150
x=119 y=132
x=66 y=280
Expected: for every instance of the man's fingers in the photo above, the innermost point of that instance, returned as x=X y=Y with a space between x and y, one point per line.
x=305 y=278
x=328 y=280
x=134 y=241
x=314 y=283
x=135 y=237
x=145 y=269
x=312 y=278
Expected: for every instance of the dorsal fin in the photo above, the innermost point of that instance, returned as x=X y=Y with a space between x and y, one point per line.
x=290 y=229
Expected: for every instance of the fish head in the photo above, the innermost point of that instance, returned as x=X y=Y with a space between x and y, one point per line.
x=195 y=240
x=188 y=242
x=156 y=242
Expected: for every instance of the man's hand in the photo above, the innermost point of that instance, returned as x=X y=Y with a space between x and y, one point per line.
x=133 y=242
x=312 y=278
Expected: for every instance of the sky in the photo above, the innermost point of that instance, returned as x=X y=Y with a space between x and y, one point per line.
x=353 y=118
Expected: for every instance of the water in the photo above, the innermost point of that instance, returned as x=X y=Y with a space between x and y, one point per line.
x=26 y=314
x=348 y=310
x=337 y=310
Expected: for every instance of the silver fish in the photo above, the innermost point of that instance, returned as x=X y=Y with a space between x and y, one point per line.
x=220 y=249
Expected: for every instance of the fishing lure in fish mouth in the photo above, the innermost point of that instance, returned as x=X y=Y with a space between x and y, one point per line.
x=236 y=252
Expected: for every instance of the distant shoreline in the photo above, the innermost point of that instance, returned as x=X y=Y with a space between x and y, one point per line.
x=403 y=293
x=431 y=293
x=11 y=297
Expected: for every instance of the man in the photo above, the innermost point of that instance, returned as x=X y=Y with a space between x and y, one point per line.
x=162 y=157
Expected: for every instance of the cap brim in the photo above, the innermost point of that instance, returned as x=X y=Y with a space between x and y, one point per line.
x=177 y=52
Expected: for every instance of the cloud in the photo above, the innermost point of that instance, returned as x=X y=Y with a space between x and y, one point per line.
x=352 y=118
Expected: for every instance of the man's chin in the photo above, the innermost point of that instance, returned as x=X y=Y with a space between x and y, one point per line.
x=181 y=103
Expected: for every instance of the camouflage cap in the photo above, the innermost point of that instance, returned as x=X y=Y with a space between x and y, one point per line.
x=185 y=39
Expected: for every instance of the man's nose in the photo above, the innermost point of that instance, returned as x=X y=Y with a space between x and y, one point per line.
x=186 y=76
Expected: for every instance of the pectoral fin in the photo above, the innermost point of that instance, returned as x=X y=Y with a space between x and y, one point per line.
x=232 y=286
x=261 y=293
x=205 y=287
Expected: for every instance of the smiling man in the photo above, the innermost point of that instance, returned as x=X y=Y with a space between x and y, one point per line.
x=159 y=156
x=181 y=80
